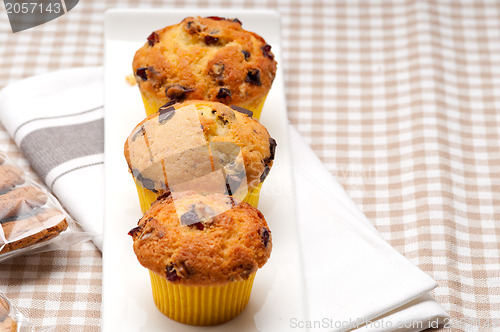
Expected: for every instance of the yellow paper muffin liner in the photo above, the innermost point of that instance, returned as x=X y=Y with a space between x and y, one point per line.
x=152 y=104
x=147 y=197
x=201 y=305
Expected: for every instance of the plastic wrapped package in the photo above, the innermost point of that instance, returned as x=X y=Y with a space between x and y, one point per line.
x=31 y=219
x=12 y=320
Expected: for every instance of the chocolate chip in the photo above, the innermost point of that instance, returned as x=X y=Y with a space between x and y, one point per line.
x=264 y=236
x=170 y=103
x=142 y=73
x=177 y=92
x=147 y=183
x=224 y=93
x=242 y=110
x=235 y=20
x=253 y=77
x=272 y=147
x=266 y=51
x=264 y=174
x=189 y=218
x=166 y=114
x=211 y=40
x=153 y=39
x=171 y=273
x=246 y=54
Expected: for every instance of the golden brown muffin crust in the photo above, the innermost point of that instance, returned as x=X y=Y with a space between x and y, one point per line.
x=220 y=123
x=228 y=247
x=209 y=58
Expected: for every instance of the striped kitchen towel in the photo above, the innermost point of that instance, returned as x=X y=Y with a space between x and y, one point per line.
x=57 y=122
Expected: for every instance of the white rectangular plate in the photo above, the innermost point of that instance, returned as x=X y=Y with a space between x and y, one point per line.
x=278 y=294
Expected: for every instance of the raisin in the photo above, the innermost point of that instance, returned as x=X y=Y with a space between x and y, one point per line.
x=266 y=51
x=272 y=147
x=189 y=218
x=235 y=20
x=142 y=73
x=242 y=110
x=224 y=93
x=135 y=231
x=264 y=236
x=177 y=92
x=171 y=273
x=216 y=18
x=246 y=54
x=166 y=114
x=253 y=77
x=211 y=40
x=153 y=39
x=264 y=174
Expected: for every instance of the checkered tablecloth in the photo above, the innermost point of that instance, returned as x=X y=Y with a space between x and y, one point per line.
x=400 y=99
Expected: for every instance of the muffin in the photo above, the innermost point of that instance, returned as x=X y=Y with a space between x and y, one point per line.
x=202 y=253
x=201 y=146
x=210 y=58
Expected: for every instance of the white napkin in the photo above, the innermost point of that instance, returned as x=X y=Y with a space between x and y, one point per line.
x=56 y=119
x=354 y=279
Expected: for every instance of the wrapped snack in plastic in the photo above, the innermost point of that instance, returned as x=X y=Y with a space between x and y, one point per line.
x=31 y=219
x=12 y=320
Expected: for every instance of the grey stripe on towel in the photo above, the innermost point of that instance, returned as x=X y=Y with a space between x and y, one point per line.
x=49 y=147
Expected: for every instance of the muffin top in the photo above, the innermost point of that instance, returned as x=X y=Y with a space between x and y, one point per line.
x=198 y=144
x=209 y=58
x=193 y=239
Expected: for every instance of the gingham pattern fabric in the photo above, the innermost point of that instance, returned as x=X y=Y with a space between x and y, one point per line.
x=400 y=99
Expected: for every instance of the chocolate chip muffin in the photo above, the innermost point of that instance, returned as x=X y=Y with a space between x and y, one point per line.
x=205 y=58
x=201 y=249
x=199 y=145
